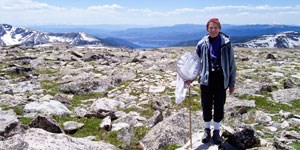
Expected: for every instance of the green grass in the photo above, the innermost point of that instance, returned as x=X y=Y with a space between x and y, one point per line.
x=263 y=103
x=26 y=121
x=50 y=86
x=171 y=147
x=4 y=107
x=295 y=145
x=15 y=75
x=17 y=109
x=76 y=100
x=90 y=128
x=45 y=71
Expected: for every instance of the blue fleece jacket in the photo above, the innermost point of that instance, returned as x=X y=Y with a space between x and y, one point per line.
x=227 y=60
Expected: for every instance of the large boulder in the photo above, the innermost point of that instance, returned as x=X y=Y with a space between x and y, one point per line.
x=243 y=140
x=172 y=130
x=40 y=139
x=47 y=107
x=46 y=123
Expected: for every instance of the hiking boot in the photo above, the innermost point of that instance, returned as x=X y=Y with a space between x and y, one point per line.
x=216 y=137
x=206 y=136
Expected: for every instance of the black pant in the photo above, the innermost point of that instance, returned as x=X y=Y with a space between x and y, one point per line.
x=213 y=95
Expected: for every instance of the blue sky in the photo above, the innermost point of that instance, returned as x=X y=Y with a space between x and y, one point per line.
x=148 y=12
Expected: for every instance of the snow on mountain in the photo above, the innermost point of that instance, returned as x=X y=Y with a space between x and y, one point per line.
x=288 y=39
x=10 y=35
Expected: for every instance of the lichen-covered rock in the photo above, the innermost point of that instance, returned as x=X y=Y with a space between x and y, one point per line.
x=172 y=130
x=40 y=139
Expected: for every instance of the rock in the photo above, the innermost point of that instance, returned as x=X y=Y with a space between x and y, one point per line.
x=285 y=115
x=72 y=126
x=172 y=130
x=156 y=118
x=77 y=54
x=46 y=123
x=106 y=123
x=47 y=107
x=280 y=145
x=131 y=119
x=107 y=106
x=286 y=95
x=119 y=126
x=8 y=121
x=268 y=88
x=79 y=87
x=270 y=56
x=244 y=139
x=262 y=118
x=156 y=89
x=40 y=139
x=79 y=112
x=288 y=84
x=126 y=134
x=291 y=135
x=284 y=125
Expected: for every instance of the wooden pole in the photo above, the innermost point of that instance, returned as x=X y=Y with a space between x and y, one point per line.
x=190 y=113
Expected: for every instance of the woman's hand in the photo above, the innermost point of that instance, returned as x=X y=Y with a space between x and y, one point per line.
x=187 y=83
x=231 y=90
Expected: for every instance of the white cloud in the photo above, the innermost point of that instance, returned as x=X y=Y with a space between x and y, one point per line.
x=30 y=12
x=104 y=7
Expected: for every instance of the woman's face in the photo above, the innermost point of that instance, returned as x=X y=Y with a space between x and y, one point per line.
x=213 y=29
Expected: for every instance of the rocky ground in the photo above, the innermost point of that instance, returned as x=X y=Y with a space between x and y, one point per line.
x=60 y=97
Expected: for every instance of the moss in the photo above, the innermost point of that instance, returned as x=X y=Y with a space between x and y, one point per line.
x=26 y=121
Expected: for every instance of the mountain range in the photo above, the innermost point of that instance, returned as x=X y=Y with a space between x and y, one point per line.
x=266 y=36
x=10 y=35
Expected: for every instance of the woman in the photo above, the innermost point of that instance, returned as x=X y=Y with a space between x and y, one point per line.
x=217 y=73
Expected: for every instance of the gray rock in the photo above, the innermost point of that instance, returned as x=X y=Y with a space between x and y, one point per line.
x=286 y=95
x=280 y=145
x=79 y=87
x=288 y=83
x=244 y=139
x=43 y=140
x=46 y=123
x=156 y=118
x=262 y=118
x=106 y=105
x=47 y=107
x=8 y=121
x=172 y=130
x=72 y=126
x=106 y=123
x=291 y=135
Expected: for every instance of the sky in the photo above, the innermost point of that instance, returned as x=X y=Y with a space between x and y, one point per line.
x=148 y=12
